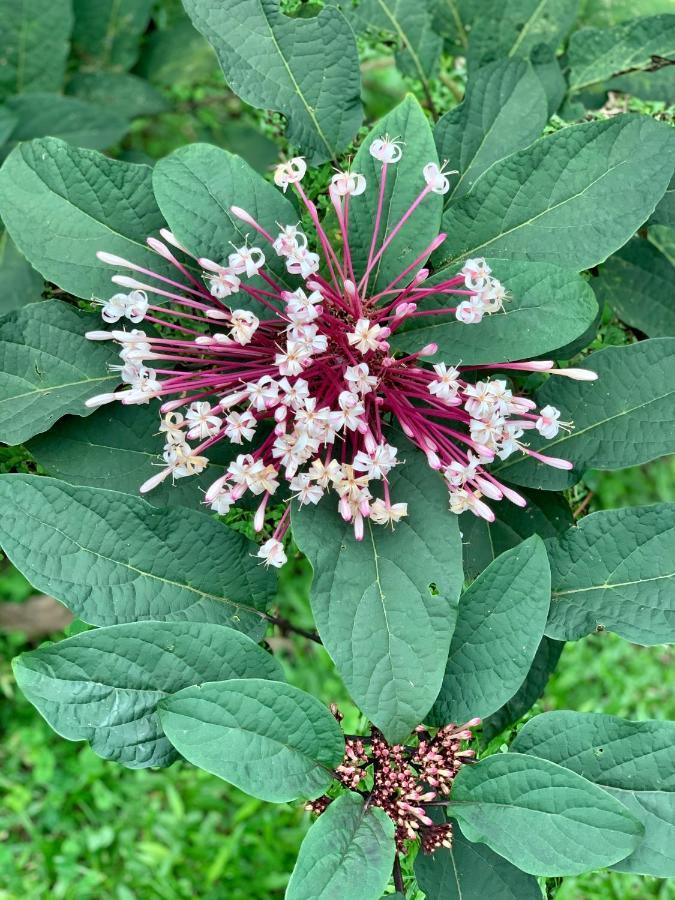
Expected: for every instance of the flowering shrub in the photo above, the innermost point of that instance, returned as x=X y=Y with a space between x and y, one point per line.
x=381 y=369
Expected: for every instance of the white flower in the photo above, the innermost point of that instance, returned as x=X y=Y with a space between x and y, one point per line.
x=272 y=553
x=383 y=514
x=263 y=393
x=240 y=427
x=359 y=378
x=378 y=463
x=293 y=361
x=295 y=394
x=290 y=239
x=351 y=409
x=137 y=306
x=437 y=178
x=302 y=262
x=481 y=399
x=470 y=312
x=306 y=490
x=220 y=280
x=365 y=336
x=246 y=259
x=201 y=421
x=325 y=473
x=290 y=172
x=345 y=184
x=475 y=272
x=386 y=149
x=244 y=326
x=222 y=502
x=492 y=296
x=133 y=306
x=547 y=424
x=446 y=386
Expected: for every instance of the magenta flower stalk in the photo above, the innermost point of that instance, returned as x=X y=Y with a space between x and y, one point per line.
x=316 y=364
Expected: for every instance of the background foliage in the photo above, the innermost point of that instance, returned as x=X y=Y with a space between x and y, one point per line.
x=138 y=80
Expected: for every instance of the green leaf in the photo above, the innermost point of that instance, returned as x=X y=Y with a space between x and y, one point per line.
x=307 y=69
x=633 y=761
x=20 y=284
x=118 y=446
x=179 y=55
x=412 y=28
x=548 y=70
x=543 y=666
x=7 y=124
x=547 y=306
x=98 y=203
x=404 y=183
x=543 y=818
x=546 y=514
x=47 y=368
x=664 y=214
x=77 y=121
x=35 y=43
x=195 y=188
x=514 y=28
x=504 y=109
x=453 y=20
x=112 y=558
x=638 y=282
x=472 y=872
x=658 y=85
x=663 y=238
x=386 y=606
x=127 y=95
x=103 y=685
x=615 y=571
x=598 y=53
x=270 y=739
x=500 y=624
x=348 y=852
x=625 y=418
x=572 y=198
x=603 y=13
x=107 y=34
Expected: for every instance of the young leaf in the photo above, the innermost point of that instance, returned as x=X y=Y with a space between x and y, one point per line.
x=596 y=54
x=500 y=624
x=20 y=284
x=543 y=818
x=35 y=43
x=77 y=121
x=633 y=761
x=504 y=109
x=112 y=558
x=47 y=368
x=99 y=204
x=103 y=685
x=615 y=571
x=348 y=852
x=572 y=198
x=543 y=666
x=625 y=418
x=270 y=739
x=389 y=632
x=546 y=514
x=308 y=69
x=547 y=306
x=411 y=27
x=472 y=872
x=515 y=27
x=404 y=183
x=107 y=35
x=118 y=447
x=638 y=282
x=215 y=180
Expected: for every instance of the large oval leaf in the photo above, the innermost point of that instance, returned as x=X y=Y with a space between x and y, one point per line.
x=62 y=204
x=500 y=623
x=403 y=184
x=348 y=852
x=47 y=368
x=112 y=558
x=472 y=872
x=615 y=571
x=386 y=606
x=103 y=686
x=28 y=29
x=633 y=761
x=625 y=418
x=307 y=69
x=270 y=739
x=547 y=307
x=543 y=818
x=504 y=109
x=572 y=198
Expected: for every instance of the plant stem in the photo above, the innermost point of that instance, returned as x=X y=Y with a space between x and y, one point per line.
x=398 y=876
x=285 y=627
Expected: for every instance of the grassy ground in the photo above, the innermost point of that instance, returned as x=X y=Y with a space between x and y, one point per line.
x=75 y=827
